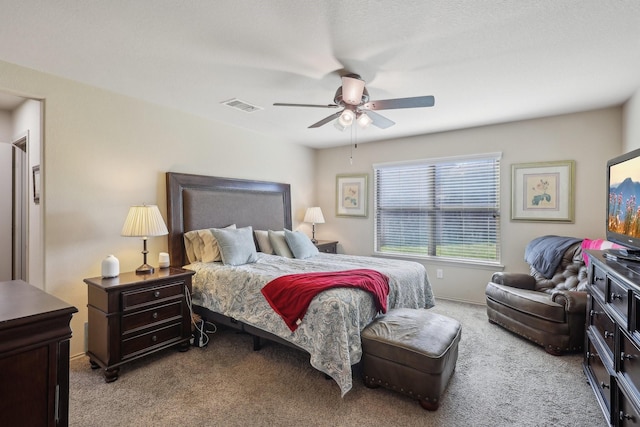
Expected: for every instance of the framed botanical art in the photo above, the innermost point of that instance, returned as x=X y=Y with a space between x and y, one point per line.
x=351 y=195
x=543 y=191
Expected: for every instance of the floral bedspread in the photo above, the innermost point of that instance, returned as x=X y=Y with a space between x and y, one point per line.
x=330 y=330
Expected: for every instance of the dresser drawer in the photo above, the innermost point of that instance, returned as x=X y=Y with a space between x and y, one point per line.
x=155 y=338
x=600 y=374
x=603 y=324
x=133 y=299
x=618 y=298
x=629 y=360
x=599 y=281
x=152 y=316
x=627 y=414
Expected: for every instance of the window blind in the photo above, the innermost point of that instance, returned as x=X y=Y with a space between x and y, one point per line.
x=446 y=208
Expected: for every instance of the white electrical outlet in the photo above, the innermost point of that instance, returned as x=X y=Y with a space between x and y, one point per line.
x=439 y=273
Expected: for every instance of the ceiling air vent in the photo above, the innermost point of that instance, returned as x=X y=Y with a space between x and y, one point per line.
x=241 y=105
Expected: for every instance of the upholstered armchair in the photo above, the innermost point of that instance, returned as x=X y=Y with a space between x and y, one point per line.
x=548 y=305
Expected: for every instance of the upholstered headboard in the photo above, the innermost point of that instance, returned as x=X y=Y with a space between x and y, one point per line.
x=197 y=201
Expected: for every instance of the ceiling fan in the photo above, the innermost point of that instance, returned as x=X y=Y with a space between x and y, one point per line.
x=353 y=97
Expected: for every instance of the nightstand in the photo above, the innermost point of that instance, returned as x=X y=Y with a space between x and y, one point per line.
x=327 y=246
x=134 y=315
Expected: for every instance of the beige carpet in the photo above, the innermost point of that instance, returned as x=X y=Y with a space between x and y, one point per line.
x=500 y=380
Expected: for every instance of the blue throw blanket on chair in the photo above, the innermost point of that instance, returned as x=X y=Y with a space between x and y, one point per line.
x=545 y=253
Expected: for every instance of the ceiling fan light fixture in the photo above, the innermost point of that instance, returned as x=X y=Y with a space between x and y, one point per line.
x=364 y=120
x=338 y=125
x=346 y=118
x=352 y=89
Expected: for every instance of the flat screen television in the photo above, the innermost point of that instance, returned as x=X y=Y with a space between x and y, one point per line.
x=623 y=204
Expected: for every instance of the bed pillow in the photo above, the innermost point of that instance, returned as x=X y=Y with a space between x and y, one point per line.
x=210 y=250
x=193 y=246
x=236 y=245
x=262 y=236
x=300 y=245
x=280 y=247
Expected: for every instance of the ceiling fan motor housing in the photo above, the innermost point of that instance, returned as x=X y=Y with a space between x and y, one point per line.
x=352 y=92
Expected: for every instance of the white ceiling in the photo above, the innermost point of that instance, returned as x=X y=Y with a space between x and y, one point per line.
x=485 y=62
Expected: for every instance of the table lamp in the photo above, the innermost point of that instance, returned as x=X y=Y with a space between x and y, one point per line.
x=314 y=216
x=144 y=221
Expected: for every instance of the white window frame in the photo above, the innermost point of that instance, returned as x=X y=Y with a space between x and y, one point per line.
x=428 y=241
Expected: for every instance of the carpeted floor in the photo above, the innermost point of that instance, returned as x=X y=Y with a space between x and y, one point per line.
x=500 y=380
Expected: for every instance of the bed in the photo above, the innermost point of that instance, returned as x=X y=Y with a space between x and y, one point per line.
x=230 y=294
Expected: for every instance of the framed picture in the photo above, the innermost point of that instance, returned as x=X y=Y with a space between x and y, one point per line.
x=351 y=195
x=36 y=184
x=543 y=191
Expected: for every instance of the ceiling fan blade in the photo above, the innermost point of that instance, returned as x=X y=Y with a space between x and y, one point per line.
x=326 y=120
x=380 y=121
x=392 y=104
x=283 y=104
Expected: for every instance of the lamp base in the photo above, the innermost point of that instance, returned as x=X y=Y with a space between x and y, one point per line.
x=314 y=241
x=145 y=269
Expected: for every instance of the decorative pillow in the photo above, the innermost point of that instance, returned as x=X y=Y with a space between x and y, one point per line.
x=210 y=250
x=280 y=247
x=597 y=244
x=300 y=244
x=193 y=246
x=236 y=246
x=262 y=236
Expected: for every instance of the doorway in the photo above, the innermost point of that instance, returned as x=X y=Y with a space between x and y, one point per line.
x=21 y=215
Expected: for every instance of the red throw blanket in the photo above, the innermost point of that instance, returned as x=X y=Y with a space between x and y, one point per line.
x=291 y=295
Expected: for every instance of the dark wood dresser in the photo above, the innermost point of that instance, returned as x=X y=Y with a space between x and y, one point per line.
x=134 y=315
x=34 y=356
x=612 y=342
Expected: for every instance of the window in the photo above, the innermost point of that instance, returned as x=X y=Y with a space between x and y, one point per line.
x=448 y=208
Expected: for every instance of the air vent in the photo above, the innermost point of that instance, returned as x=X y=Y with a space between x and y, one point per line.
x=241 y=105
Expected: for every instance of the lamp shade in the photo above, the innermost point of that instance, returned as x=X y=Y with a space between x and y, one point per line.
x=144 y=221
x=314 y=215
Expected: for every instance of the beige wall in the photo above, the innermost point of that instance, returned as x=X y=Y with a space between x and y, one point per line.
x=104 y=152
x=631 y=123
x=588 y=138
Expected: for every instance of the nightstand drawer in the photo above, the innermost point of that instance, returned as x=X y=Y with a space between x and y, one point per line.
x=132 y=299
x=156 y=315
x=144 y=342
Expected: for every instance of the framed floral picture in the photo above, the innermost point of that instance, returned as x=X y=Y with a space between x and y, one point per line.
x=543 y=191
x=351 y=195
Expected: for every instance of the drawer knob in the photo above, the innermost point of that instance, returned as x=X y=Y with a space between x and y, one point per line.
x=624 y=356
x=591 y=355
x=603 y=385
x=615 y=296
x=624 y=416
x=157 y=294
x=154 y=338
x=599 y=279
x=155 y=315
x=608 y=335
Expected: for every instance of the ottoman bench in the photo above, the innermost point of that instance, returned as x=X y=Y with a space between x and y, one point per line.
x=411 y=351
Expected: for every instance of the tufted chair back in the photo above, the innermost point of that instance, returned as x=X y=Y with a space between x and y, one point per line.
x=571 y=274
